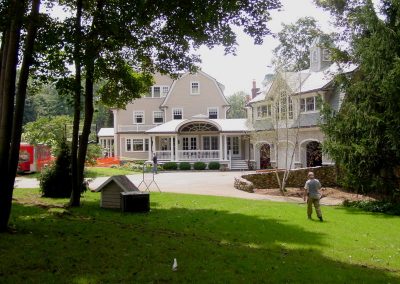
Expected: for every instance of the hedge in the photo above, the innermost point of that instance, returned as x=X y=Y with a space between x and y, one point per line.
x=184 y=166
x=199 y=166
x=170 y=166
x=214 y=165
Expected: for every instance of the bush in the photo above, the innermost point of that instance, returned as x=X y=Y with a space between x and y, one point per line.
x=170 y=166
x=199 y=166
x=56 y=180
x=92 y=154
x=375 y=206
x=214 y=166
x=184 y=166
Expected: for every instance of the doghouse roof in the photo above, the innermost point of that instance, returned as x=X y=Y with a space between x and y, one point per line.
x=122 y=181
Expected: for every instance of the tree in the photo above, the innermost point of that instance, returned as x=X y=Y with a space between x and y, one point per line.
x=293 y=51
x=237 y=103
x=50 y=131
x=364 y=137
x=12 y=99
x=125 y=48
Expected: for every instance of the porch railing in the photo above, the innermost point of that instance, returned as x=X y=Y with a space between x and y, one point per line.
x=134 y=128
x=164 y=155
x=198 y=155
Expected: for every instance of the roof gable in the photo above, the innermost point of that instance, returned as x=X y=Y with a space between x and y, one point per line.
x=122 y=181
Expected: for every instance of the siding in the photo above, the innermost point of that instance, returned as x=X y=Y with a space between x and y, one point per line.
x=110 y=196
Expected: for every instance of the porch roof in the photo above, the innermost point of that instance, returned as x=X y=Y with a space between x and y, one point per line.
x=225 y=125
x=106 y=132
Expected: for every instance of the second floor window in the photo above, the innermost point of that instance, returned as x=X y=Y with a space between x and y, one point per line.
x=264 y=111
x=157 y=91
x=177 y=113
x=213 y=113
x=158 y=117
x=138 y=117
x=308 y=104
x=194 y=88
x=284 y=107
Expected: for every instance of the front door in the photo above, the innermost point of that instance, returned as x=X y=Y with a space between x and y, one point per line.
x=189 y=143
x=233 y=144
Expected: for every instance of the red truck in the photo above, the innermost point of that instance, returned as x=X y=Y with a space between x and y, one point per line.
x=32 y=158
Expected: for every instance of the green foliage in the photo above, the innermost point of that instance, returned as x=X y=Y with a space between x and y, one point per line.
x=184 y=166
x=170 y=166
x=375 y=206
x=293 y=51
x=237 y=103
x=199 y=166
x=214 y=165
x=50 y=131
x=289 y=247
x=93 y=153
x=56 y=179
x=364 y=137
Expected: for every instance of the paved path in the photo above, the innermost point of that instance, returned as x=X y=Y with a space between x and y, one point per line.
x=203 y=183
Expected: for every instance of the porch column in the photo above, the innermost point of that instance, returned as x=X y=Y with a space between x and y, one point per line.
x=153 y=144
x=226 y=147
x=150 y=147
x=221 y=151
x=171 y=139
x=176 y=148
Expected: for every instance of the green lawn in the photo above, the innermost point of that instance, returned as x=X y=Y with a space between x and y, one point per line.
x=215 y=239
x=94 y=172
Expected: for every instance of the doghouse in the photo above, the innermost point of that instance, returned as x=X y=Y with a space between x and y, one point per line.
x=111 y=191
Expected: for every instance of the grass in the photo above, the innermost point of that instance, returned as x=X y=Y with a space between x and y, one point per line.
x=94 y=172
x=215 y=240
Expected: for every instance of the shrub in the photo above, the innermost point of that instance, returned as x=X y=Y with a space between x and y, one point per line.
x=199 y=166
x=375 y=206
x=92 y=154
x=170 y=166
x=56 y=180
x=184 y=166
x=214 y=166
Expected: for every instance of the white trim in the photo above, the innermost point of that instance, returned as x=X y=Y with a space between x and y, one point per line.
x=133 y=151
x=143 y=118
x=163 y=117
x=172 y=112
x=305 y=97
x=208 y=112
x=198 y=88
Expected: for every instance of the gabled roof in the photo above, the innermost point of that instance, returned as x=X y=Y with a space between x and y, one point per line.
x=218 y=85
x=122 y=181
x=104 y=132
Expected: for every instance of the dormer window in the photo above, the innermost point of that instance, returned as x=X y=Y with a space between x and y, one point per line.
x=194 y=88
x=326 y=55
x=156 y=92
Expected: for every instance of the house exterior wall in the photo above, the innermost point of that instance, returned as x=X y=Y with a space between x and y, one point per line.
x=210 y=95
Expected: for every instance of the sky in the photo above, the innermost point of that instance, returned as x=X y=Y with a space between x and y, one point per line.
x=236 y=73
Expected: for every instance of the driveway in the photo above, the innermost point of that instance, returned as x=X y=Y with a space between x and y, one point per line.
x=203 y=183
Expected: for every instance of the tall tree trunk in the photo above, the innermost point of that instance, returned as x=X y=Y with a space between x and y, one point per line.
x=21 y=92
x=91 y=53
x=76 y=183
x=7 y=93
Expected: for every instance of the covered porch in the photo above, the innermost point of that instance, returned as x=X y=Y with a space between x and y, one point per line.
x=201 y=140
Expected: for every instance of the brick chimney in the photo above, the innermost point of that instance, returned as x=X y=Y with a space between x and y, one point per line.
x=254 y=90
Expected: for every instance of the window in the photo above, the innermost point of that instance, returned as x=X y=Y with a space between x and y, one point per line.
x=314 y=56
x=194 y=88
x=138 y=117
x=210 y=142
x=165 y=90
x=326 y=56
x=157 y=91
x=309 y=104
x=177 y=113
x=158 y=117
x=264 y=111
x=212 y=112
x=137 y=145
x=284 y=107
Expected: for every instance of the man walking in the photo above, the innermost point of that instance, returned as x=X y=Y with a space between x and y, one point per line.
x=155 y=163
x=312 y=187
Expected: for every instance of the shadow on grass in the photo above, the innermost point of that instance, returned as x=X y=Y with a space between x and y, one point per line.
x=94 y=245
